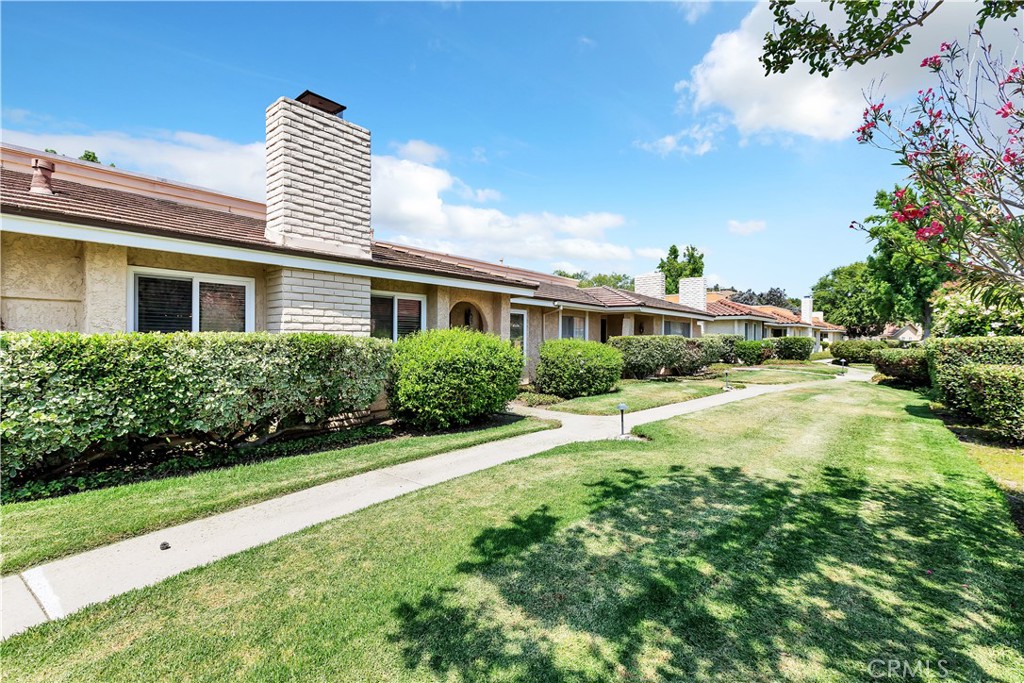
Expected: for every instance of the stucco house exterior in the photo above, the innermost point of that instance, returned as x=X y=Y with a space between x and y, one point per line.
x=95 y=249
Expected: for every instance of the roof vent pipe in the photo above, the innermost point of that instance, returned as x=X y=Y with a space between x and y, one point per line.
x=42 y=170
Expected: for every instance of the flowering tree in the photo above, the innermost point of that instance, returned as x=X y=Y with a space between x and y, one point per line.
x=957 y=314
x=962 y=144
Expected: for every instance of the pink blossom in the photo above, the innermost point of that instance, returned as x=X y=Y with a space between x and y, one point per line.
x=1006 y=110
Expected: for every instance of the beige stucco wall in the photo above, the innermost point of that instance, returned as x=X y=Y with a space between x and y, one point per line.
x=106 y=291
x=209 y=266
x=42 y=283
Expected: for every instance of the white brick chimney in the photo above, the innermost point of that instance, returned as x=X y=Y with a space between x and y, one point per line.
x=693 y=292
x=650 y=284
x=318 y=178
x=806 y=309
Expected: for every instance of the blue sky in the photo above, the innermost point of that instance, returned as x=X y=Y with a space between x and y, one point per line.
x=583 y=135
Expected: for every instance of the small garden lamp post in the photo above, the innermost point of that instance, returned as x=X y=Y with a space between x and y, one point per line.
x=622 y=416
x=727 y=387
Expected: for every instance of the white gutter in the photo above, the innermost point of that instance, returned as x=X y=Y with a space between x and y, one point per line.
x=125 y=238
x=545 y=303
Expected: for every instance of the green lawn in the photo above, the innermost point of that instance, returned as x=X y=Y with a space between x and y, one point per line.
x=640 y=395
x=806 y=366
x=792 y=537
x=766 y=375
x=42 y=530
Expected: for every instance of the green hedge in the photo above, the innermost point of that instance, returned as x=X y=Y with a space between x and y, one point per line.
x=573 y=367
x=755 y=352
x=449 y=378
x=948 y=356
x=729 y=342
x=793 y=348
x=646 y=355
x=71 y=399
x=857 y=350
x=909 y=366
x=995 y=394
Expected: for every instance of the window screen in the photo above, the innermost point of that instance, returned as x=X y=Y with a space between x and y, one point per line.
x=517 y=329
x=410 y=316
x=382 y=317
x=677 y=328
x=573 y=327
x=221 y=307
x=163 y=304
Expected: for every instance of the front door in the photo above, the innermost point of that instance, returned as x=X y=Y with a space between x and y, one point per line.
x=604 y=330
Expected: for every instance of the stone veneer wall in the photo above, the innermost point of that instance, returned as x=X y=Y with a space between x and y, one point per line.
x=651 y=284
x=318 y=180
x=693 y=292
x=313 y=301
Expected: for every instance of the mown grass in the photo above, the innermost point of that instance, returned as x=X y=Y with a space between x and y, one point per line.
x=641 y=395
x=41 y=530
x=793 y=537
x=766 y=375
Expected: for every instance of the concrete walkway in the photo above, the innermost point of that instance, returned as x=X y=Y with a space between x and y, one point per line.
x=56 y=589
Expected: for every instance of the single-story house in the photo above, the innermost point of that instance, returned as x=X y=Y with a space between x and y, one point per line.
x=96 y=249
x=908 y=332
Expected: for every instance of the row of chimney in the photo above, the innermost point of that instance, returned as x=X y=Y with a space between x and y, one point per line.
x=693 y=292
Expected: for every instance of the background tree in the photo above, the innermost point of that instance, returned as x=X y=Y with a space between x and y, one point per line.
x=776 y=296
x=849 y=296
x=748 y=297
x=907 y=272
x=617 y=280
x=675 y=268
x=868 y=34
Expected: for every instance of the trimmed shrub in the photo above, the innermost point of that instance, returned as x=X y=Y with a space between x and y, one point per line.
x=646 y=356
x=71 y=399
x=755 y=352
x=729 y=342
x=642 y=356
x=573 y=367
x=451 y=378
x=909 y=366
x=996 y=395
x=793 y=348
x=857 y=350
x=948 y=356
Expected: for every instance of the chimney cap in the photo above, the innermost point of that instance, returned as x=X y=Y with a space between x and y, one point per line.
x=44 y=164
x=310 y=98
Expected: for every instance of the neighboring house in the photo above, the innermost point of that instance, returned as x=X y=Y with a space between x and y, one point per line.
x=752 y=322
x=909 y=332
x=90 y=248
x=808 y=323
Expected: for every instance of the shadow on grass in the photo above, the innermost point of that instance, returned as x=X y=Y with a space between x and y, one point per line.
x=725 y=576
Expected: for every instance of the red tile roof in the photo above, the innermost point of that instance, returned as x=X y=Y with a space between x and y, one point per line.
x=724 y=308
x=610 y=297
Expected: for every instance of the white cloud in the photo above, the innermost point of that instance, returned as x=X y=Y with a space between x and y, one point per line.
x=745 y=227
x=412 y=202
x=230 y=167
x=651 y=252
x=695 y=140
x=693 y=10
x=730 y=79
x=585 y=42
x=420 y=151
x=714 y=279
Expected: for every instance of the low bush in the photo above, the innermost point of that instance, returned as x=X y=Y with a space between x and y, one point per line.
x=825 y=344
x=573 y=367
x=534 y=399
x=755 y=352
x=450 y=378
x=995 y=394
x=947 y=358
x=646 y=356
x=729 y=342
x=793 y=348
x=908 y=366
x=857 y=350
x=72 y=401
x=129 y=470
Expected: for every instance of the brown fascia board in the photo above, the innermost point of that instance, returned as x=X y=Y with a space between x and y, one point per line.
x=273 y=249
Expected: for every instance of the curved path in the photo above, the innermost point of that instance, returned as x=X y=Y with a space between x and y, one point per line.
x=58 y=588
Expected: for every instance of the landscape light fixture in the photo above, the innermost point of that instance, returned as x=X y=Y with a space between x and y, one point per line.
x=622 y=416
x=727 y=387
